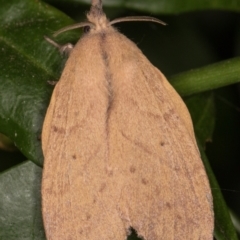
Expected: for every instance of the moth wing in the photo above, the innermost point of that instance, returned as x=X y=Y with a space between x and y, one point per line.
x=166 y=194
x=78 y=190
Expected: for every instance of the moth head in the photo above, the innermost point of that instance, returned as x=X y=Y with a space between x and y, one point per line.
x=97 y=20
x=96 y=17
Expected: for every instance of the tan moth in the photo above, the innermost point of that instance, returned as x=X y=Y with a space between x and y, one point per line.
x=119 y=147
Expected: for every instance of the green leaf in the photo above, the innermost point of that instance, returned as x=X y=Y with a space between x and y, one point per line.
x=207 y=78
x=6 y=144
x=170 y=6
x=20 y=205
x=202 y=109
x=223 y=152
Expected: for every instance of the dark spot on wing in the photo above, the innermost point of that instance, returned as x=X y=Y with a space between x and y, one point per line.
x=102 y=187
x=162 y=143
x=58 y=130
x=168 y=205
x=176 y=168
x=55 y=129
x=132 y=169
x=74 y=156
x=144 y=181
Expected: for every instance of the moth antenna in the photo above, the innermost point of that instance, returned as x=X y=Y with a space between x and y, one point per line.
x=74 y=26
x=137 y=18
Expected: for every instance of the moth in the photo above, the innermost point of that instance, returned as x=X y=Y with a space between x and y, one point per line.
x=119 y=146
